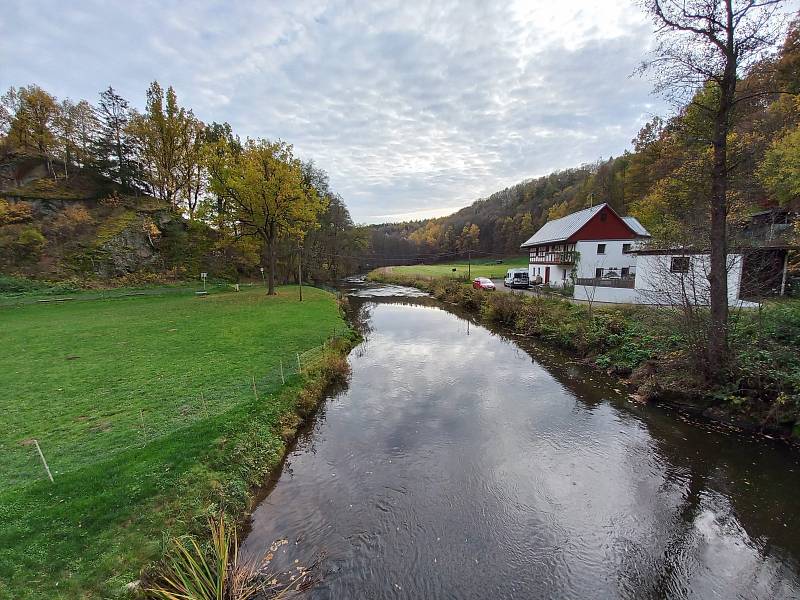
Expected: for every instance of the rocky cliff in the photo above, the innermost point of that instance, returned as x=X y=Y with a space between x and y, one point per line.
x=84 y=226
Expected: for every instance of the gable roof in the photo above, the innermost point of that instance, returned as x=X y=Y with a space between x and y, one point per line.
x=560 y=230
x=637 y=227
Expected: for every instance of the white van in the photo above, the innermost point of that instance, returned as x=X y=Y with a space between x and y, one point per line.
x=516 y=278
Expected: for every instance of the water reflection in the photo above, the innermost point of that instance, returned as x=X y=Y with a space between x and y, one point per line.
x=460 y=465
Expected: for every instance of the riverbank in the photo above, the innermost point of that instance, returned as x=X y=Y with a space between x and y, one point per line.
x=152 y=413
x=651 y=350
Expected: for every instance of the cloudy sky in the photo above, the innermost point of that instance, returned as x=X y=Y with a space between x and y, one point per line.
x=415 y=109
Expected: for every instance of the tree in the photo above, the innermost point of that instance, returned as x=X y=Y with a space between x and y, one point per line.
x=66 y=133
x=86 y=130
x=266 y=193
x=779 y=172
x=9 y=105
x=192 y=165
x=168 y=141
x=32 y=127
x=711 y=43
x=156 y=141
x=219 y=140
x=113 y=145
x=469 y=238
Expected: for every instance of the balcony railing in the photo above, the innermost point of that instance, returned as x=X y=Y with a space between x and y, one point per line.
x=624 y=282
x=566 y=257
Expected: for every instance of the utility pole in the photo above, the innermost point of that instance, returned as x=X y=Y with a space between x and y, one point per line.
x=469 y=264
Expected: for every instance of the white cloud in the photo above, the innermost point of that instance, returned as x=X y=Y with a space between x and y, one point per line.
x=414 y=108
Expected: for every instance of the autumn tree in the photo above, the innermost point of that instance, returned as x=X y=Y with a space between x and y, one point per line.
x=157 y=136
x=469 y=238
x=192 y=163
x=711 y=43
x=266 y=194
x=66 y=133
x=32 y=127
x=780 y=169
x=86 y=130
x=219 y=142
x=169 y=144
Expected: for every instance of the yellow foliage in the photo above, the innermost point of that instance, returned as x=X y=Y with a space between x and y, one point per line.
x=17 y=212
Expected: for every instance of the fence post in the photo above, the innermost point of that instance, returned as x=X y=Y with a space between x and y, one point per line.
x=144 y=433
x=44 y=462
x=283 y=379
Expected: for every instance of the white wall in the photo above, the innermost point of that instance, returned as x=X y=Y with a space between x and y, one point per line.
x=614 y=258
x=606 y=294
x=559 y=274
x=656 y=284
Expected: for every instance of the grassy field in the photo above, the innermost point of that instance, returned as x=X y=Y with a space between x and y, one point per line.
x=479 y=268
x=145 y=410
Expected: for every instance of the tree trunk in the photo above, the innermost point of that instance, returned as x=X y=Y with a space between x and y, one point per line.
x=271 y=256
x=718 y=277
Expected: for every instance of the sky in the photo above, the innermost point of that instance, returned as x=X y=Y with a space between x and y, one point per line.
x=415 y=109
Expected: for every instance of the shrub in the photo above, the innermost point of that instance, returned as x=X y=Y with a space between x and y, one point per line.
x=502 y=308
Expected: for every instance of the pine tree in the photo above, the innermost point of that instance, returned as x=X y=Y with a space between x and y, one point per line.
x=113 y=147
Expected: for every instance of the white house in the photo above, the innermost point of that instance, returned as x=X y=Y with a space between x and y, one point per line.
x=604 y=256
x=594 y=243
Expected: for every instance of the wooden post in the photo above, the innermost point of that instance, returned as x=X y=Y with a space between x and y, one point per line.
x=283 y=379
x=141 y=419
x=44 y=462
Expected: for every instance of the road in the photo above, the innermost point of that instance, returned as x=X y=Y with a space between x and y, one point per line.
x=501 y=287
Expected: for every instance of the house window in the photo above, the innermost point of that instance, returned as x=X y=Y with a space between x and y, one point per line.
x=598 y=272
x=601 y=248
x=679 y=264
x=625 y=272
x=626 y=248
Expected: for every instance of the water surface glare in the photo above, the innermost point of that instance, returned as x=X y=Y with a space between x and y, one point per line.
x=459 y=465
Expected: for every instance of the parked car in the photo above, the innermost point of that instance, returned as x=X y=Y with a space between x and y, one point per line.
x=516 y=278
x=483 y=283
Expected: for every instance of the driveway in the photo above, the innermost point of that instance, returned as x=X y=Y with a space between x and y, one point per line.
x=536 y=292
x=502 y=288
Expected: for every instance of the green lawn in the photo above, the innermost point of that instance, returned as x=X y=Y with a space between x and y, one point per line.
x=479 y=268
x=143 y=407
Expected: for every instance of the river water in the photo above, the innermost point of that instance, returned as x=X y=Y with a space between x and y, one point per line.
x=462 y=464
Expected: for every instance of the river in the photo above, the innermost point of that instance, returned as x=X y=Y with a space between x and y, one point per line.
x=459 y=463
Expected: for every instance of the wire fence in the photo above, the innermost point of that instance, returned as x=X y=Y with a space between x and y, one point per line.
x=73 y=441
x=111 y=294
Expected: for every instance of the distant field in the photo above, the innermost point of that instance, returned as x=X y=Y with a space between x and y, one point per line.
x=137 y=404
x=480 y=268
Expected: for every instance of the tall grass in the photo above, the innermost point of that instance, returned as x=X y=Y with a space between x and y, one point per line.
x=190 y=573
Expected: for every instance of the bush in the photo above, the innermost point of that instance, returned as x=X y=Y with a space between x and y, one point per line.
x=11 y=285
x=502 y=308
